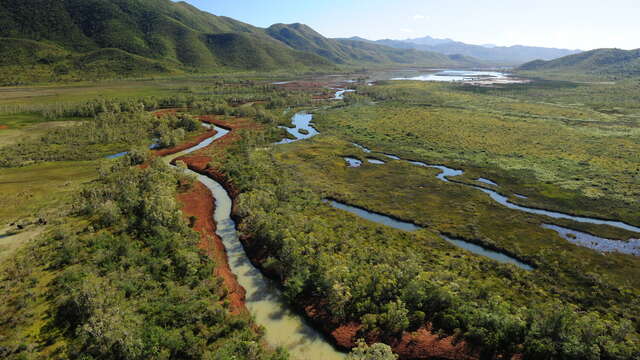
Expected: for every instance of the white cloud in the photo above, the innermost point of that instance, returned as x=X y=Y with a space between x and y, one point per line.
x=419 y=17
x=407 y=31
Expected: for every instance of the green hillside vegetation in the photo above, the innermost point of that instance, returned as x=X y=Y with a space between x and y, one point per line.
x=609 y=64
x=79 y=39
x=53 y=40
x=343 y=51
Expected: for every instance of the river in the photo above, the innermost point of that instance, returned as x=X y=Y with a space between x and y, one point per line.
x=283 y=326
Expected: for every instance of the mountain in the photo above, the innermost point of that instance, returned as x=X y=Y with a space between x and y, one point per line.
x=429 y=41
x=48 y=40
x=497 y=55
x=607 y=63
x=133 y=37
x=357 y=50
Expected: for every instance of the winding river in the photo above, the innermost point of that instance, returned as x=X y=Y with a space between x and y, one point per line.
x=284 y=327
x=446 y=173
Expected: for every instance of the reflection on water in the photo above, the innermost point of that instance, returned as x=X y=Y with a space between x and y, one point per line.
x=353 y=162
x=446 y=173
x=375 y=217
x=363 y=148
x=155 y=144
x=340 y=93
x=486 y=181
x=300 y=121
x=283 y=327
x=454 y=76
x=263 y=297
x=220 y=132
x=375 y=161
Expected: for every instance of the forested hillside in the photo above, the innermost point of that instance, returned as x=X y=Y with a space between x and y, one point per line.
x=70 y=37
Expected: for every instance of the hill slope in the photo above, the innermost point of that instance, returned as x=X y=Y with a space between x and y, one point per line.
x=604 y=63
x=356 y=51
x=158 y=36
x=48 y=40
x=499 y=55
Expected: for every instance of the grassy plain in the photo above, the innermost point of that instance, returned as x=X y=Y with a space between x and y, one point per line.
x=564 y=156
x=567 y=156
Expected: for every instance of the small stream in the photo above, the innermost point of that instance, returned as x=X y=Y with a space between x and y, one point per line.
x=446 y=173
x=300 y=121
x=407 y=226
x=264 y=300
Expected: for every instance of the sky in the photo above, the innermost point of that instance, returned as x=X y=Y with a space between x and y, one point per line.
x=573 y=24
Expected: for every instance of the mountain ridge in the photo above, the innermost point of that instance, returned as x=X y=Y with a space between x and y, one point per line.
x=606 y=63
x=498 y=55
x=156 y=37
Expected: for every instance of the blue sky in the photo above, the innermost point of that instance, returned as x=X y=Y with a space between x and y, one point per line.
x=576 y=24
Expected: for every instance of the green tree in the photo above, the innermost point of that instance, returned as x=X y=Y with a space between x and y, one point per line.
x=376 y=351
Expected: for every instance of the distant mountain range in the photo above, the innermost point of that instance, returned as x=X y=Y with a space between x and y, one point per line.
x=354 y=51
x=492 y=54
x=604 y=63
x=48 y=40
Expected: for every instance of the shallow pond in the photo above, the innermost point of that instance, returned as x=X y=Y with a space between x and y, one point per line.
x=453 y=76
x=301 y=122
x=353 y=162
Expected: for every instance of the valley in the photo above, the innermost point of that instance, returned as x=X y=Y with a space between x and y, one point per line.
x=181 y=185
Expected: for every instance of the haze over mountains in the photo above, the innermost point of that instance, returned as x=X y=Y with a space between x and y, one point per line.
x=497 y=55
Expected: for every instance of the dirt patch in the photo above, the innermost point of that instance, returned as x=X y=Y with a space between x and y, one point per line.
x=199 y=202
x=424 y=344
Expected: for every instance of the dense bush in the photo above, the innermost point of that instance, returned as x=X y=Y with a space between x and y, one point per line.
x=386 y=289
x=131 y=283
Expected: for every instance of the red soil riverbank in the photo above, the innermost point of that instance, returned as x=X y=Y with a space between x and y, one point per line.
x=199 y=202
x=421 y=344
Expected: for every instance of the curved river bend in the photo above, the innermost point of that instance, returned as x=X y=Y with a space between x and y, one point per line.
x=264 y=300
x=283 y=326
